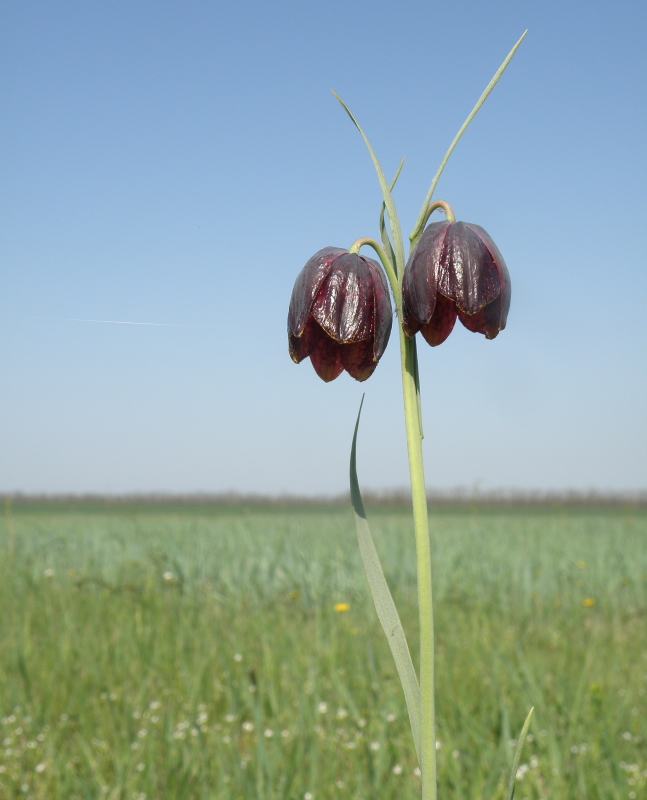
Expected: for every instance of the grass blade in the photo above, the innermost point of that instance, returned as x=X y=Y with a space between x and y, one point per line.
x=386 y=242
x=517 y=756
x=386 y=610
x=394 y=224
x=420 y=221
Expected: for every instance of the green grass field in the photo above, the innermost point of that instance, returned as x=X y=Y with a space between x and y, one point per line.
x=199 y=652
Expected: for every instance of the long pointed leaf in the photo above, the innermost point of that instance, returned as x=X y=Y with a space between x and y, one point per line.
x=394 y=224
x=386 y=610
x=417 y=229
x=517 y=755
x=386 y=242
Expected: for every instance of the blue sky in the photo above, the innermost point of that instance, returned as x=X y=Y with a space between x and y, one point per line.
x=178 y=163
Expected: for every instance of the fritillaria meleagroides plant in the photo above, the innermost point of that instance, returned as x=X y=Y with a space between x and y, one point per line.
x=341 y=317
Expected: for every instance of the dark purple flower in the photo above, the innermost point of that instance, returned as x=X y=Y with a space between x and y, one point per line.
x=455 y=270
x=340 y=314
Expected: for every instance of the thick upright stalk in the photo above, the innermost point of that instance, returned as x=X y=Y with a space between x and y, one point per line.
x=423 y=557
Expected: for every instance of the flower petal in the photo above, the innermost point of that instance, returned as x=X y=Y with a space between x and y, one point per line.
x=358 y=359
x=344 y=304
x=489 y=320
x=419 y=288
x=382 y=309
x=307 y=285
x=325 y=354
x=441 y=323
x=467 y=273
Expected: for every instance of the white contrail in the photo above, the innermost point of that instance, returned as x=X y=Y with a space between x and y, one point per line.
x=115 y=322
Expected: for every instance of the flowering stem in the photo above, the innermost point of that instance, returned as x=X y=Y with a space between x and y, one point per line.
x=413 y=423
x=386 y=261
x=449 y=211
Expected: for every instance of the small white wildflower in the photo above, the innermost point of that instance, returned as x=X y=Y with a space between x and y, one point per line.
x=49 y=573
x=248 y=726
x=575 y=748
x=375 y=746
x=202 y=718
x=322 y=708
x=268 y=733
x=350 y=745
x=194 y=731
x=226 y=739
x=140 y=767
x=40 y=767
x=361 y=722
x=308 y=796
x=455 y=753
x=154 y=705
x=342 y=713
x=32 y=745
x=230 y=717
x=285 y=733
x=438 y=745
x=626 y=736
x=416 y=772
x=397 y=769
x=390 y=717
x=24 y=787
x=2 y=768
x=521 y=771
x=134 y=746
x=137 y=714
x=238 y=656
x=155 y=719
x=168 y=577
x=142 y=732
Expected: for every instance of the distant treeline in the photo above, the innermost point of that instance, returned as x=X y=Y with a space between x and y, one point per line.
x=436 y=498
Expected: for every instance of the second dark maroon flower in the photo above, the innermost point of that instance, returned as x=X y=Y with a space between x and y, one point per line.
x=455 y=270
x=340 y=314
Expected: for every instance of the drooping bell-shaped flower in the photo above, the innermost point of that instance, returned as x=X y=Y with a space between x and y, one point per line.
x=340 y=314
x=455 y=270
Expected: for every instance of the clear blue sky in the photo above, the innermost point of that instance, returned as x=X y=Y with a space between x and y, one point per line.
x=178 y=163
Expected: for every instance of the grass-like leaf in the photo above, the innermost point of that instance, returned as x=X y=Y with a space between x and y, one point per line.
x=517 y=756
x=394 y=223
x=384 y=604
x=417 y=228
x=386 y=242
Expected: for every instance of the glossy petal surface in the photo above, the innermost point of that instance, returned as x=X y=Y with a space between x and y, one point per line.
x=420 y=285
x=455 y=269
x=467 y=273
x=340 y=314
x=358 y=359
x=442 y=322
x=307 y=285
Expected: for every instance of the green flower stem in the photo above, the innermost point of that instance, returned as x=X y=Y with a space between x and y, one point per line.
x=386 y=263
x=449 y=211
x=423 y=557
x=413 y=424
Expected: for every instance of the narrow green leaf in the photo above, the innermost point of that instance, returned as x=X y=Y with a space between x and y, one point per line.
x=386 y=610
x=517 y=755
x=394 y=223
x=386 y=242
x=417 y=228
